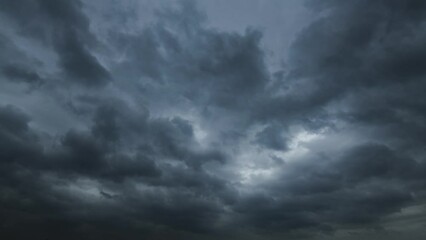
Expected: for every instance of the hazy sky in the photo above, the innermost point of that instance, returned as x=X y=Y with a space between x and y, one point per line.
x=212 y=119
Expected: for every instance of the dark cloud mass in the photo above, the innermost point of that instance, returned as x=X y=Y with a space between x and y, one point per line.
x=154 y=119
x=63 y=26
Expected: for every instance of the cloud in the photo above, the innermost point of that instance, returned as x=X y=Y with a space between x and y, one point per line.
x=358 y=186
x=20 y=74
x=63 y=27
x=172 y=129
x=272 y=137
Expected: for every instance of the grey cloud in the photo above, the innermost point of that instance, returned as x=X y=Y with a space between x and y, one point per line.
x=359 y=56
x=79 y=63
x=21 y=74
x=62 y=26
x=17 y=142
x=272 y=137
x=196 y=137
x=358 y=187
x=183 y=55
x=81 y=154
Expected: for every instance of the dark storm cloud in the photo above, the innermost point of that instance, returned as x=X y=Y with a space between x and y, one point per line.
x=152 y=170
x=79 y=63
x=182 y=55
x=16 y=66
x=360 y=52
x=355 y=48
x=374 y=65
x=177 y=146
x=358 y=187
x=366 y=57
x=272 y=137
x=192 y=192
x=17 y=143
x=105 y=150
x=21 y=74
x=63 y=26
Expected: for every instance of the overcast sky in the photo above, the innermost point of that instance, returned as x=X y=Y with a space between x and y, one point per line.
x=213 y=119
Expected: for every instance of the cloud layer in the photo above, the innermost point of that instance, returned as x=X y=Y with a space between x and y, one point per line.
x=117 y=127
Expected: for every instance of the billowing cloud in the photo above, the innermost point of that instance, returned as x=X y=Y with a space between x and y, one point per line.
x=120 y=125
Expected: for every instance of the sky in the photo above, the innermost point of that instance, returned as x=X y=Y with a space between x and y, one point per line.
x=212 y=119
